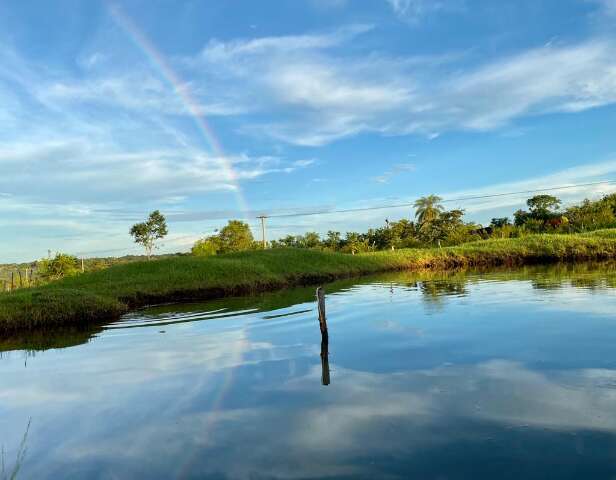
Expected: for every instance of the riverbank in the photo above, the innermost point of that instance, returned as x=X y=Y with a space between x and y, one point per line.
x=105 y=295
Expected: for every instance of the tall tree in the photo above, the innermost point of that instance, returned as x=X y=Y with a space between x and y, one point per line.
x=427 y=209
x=235 y=237
x=542 y=207
x=148 y=232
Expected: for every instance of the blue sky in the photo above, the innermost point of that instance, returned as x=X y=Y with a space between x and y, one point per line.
x=210 y=110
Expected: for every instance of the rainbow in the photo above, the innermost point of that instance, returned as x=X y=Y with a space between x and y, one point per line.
x=193 y=107
x=160 y=63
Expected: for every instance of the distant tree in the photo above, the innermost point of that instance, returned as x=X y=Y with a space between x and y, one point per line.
x=448 y=225
x=288 y=241
x=235 y=237
x=428 y=208
x=148 y=232
x=401 y=234
x=311 y=240
x=520 y=217
x=62 y=265
x=206 y=247
x=590 y=216
x=355 y=243
x=543 y=207
x=332 y=241
x=380 y=238
x=500 y=222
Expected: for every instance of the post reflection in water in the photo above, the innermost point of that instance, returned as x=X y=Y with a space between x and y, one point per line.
x=325 y=358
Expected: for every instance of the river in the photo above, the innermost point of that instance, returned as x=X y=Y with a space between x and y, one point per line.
x=501 y=374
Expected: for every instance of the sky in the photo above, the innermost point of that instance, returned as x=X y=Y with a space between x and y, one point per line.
x=211 y=110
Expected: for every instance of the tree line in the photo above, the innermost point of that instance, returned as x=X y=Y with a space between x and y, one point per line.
x=432 y=226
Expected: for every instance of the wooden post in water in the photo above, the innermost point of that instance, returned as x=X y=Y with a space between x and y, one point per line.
x=324 y=337
x=321 y=305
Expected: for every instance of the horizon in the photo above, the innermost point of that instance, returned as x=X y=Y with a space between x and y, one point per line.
x=209 y=113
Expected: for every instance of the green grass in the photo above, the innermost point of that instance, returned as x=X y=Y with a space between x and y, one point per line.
x=106 y=294
x=605 y=233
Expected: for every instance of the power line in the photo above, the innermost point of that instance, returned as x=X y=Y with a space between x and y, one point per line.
x=460 y=199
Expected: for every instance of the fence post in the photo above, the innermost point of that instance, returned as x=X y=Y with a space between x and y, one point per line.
x=321 y=306
x=325 y=378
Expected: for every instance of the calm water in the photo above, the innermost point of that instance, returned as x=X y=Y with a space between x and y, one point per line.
x=509 y=374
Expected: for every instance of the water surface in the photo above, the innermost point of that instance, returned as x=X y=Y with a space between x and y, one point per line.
x=507 y=374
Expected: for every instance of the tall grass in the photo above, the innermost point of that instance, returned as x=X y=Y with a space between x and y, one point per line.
x=104 y=295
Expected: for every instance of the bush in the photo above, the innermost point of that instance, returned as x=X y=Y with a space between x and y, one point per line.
x=62 y=265
x=205 y=247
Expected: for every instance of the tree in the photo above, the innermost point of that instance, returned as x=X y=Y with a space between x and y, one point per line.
x=448 y=225
x=590 y=216
x=354 y=243
x=520 y=217
x=146 y=233
x=235 y=237
x=332 y=240
x=205 y=247
x=401 y=234
x=62 y=265
x=288 y=241
x=311 y=240
x=427 y=209
x=500 y=222
x=543 y=207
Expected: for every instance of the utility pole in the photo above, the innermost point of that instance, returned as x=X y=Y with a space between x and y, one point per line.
x=263 y=217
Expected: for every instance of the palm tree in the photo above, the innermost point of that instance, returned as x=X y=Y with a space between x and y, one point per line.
x=428 y=208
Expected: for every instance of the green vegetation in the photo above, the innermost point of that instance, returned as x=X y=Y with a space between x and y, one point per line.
x=234 y=237
x=433 y=226
x=60 y=266
x=105 y=294
x=436 y=226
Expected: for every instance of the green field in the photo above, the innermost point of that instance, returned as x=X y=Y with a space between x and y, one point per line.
x=105 y=294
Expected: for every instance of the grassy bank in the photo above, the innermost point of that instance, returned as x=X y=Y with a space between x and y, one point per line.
x=106 y=294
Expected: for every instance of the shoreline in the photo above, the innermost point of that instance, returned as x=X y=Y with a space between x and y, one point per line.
x=107 y=294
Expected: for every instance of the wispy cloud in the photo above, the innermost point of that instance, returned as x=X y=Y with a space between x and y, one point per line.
x=313 y=89
x=415 y=10
x=396 y=170
x=321 y=94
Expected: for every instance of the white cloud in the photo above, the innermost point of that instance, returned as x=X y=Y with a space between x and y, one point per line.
x=313 y=89
x=319 y=94
x=395 y=171
x=415 y=9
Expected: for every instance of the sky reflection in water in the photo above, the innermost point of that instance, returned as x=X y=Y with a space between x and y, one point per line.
x=498 y=375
